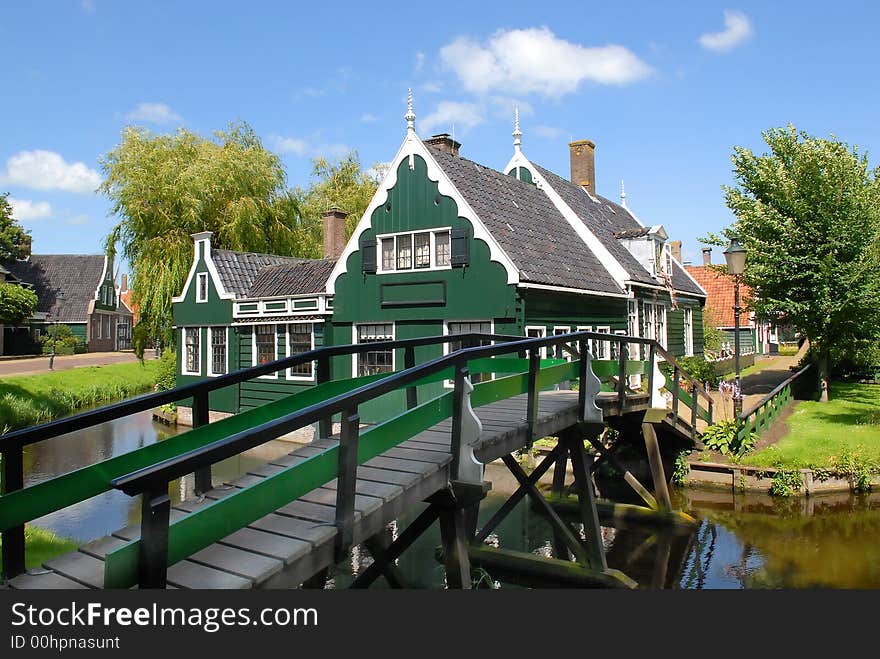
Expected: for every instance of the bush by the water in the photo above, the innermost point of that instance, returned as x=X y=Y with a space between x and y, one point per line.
x=32 y=399
x=722 y=437
x=166 y=378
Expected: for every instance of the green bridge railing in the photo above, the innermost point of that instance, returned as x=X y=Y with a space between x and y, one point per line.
x=758 y=418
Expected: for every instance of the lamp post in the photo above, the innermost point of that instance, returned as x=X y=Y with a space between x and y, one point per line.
x=59 y=298
x=735 y=255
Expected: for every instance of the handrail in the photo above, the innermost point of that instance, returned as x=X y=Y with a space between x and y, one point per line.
x=773 y=393
x=670 y=359
x=181 y=465
x=30 y=435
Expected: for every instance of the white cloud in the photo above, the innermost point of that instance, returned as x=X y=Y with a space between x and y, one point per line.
x=288 y=144
x=78 y=219
x=463 y=116
x=154 y=113
x=420 y=61
x=536 y=61
x=432 y=87
x=303 y=147
x=25 y=209
x=737 y=28
x=47 y=170
x=548 y=132
x=368 y=118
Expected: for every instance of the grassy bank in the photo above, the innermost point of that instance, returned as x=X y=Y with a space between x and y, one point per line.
x=42 y=545
x=31 y=399
x=825 y=435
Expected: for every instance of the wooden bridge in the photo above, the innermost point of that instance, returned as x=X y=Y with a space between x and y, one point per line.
x=286 y=523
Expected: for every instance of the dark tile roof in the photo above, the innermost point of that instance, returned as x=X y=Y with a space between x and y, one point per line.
x=238 y=270
x=306 y=276
x=76 y=276
x=609 y=221
x=603 y=218
x=540 y=241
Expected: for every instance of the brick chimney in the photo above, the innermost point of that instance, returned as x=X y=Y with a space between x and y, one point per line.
x=707 y=255
x=675 y=248
x=124 y=286
x=334 y=232
x=583 y=164
x=444 y=142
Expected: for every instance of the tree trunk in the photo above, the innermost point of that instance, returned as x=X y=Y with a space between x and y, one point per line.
x=823 y=376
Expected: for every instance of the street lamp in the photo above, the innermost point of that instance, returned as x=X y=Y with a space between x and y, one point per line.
x=735 y=255
x=59 y=298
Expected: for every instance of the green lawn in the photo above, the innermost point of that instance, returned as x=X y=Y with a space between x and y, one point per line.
x=41 y=545
x=27 y=400
x=820 y=433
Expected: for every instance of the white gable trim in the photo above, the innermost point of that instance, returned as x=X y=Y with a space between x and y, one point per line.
x=413 y=146
x=97 y=294
x=617 y=271
x=205 y=240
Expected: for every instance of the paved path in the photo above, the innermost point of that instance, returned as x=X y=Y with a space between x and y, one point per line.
x=34 y=365
x=757 y=385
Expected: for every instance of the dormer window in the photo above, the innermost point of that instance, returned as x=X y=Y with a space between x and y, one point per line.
x=202 y=287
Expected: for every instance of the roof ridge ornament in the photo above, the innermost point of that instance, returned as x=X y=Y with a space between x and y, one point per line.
x=622 y=194
x=410 y=116
x=517 y=133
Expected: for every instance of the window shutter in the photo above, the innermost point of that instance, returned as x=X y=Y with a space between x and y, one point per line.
x=460 y=250
x=368 y=256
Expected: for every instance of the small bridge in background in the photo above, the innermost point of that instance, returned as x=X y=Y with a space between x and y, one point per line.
x=287 y=523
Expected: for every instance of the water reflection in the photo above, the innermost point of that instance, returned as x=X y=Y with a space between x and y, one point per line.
x=107 y=512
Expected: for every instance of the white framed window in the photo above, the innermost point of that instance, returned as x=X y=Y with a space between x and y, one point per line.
x=660 y=324
x=265 y=347
x=218 y=363
x=537 y=332
x=108 y=320
x=632 y=327
x=688 y=332
x=557 y=350
x=603 y=348
x=615 y=346
x=649 y=325
x=373 y=361
x=192 y=351
x=100 y=326
x=300 y=338
x=202 y=287
x=415 y=250
x=466 y=327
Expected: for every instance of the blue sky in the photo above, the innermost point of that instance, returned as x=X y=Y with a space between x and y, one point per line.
x=664 y=89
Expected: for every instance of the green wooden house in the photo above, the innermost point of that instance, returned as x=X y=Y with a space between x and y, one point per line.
x=446 y=246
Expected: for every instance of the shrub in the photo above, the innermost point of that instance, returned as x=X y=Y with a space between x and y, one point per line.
x=695 y=367
x=722 y=437
x=167 y=376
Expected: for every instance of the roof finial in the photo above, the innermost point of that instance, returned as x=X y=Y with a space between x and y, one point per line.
x=622 y=194
x=517 y=133
x=410 y=116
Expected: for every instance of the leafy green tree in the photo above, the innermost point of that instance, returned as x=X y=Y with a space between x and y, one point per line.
x=17 y=303
x=167 y=187
x=15 y=242
x=808 y=214
x=343 y=184
x=713 y=337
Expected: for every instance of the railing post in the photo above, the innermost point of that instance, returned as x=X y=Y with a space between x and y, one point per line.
x=461 y=374
x=347 y=480
x=200 y=418
x=532 y=404
x=711 y=412
x=582 y=378
x=676 y=383
x=651 y=356
x=695 y=391
x=13 y=538
x=409 y=361
x=325 y=425
x=155 y=512
x=622 y=356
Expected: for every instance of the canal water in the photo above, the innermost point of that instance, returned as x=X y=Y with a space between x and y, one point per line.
x=742 y=541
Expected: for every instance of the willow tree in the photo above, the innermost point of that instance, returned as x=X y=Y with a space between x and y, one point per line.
x=808 y=214
x=342 y=183
x=166 y=187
